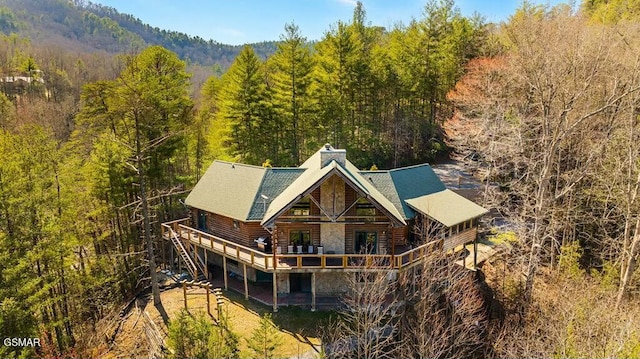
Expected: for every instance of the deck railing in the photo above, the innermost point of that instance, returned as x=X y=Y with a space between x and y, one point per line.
x=221 y=246
x=265 y=261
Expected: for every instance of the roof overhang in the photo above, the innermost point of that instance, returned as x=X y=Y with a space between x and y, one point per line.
x=446 y=207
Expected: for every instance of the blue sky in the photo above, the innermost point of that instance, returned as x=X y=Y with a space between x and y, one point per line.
x=245 y=21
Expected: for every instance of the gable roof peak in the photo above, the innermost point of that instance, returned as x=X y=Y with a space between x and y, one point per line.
x=323 y=164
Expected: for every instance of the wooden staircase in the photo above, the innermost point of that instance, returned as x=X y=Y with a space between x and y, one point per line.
x=195 y=268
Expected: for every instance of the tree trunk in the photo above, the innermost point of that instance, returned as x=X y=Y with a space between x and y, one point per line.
x=145 y=217
x=630 y=263
x=538 y=232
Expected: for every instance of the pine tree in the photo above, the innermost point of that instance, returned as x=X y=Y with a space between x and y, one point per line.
x=244 y=108
x=336 y=56
x=196 y=336
x=144 y=111
x=292 y=97
x=265 y=340
x=34 y=276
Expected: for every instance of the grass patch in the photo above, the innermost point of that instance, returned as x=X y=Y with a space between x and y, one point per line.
x=300 y=328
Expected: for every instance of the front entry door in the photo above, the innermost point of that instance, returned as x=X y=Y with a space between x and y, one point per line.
x=366 y=242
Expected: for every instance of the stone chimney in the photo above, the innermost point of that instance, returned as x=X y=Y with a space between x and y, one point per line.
x=328 y=153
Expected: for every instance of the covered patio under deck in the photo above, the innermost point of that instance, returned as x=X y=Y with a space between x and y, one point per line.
x=263 y=293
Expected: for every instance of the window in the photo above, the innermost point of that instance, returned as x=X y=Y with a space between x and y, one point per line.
x=236 y=225
x=302 y=208
x=300 y=238
x=364 y=208
x=366 y=242
x=466 y=225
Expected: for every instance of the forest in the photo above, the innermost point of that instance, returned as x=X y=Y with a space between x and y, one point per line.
x=99 y=148
x=90 y=27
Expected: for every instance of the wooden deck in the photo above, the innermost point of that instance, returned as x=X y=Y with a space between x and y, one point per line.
x=269 y=262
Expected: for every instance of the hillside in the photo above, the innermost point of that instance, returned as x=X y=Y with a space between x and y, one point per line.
x=101 y=143
x=84 y=26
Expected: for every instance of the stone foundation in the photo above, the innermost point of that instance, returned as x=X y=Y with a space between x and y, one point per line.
x=330 y=284
x=283 y=282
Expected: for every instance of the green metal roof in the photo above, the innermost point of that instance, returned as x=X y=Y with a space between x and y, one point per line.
x=228 y=189
x=382 y=181
x=252 y=193
x=446 y=207
x=415 y=181
x=274 y=182
x=401 y=184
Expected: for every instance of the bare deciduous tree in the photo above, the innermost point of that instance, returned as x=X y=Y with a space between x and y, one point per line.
x=433 y=310
x=367 y=327
x=443 y=312
x=563 y=82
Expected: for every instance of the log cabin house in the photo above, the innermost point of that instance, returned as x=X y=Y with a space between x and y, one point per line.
x=299 y=230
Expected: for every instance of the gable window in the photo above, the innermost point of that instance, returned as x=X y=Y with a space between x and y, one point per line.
x=300 y=238
x=302 y=208
x=364 y=208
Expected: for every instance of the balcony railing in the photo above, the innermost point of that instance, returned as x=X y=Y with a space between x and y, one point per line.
x=270 y=262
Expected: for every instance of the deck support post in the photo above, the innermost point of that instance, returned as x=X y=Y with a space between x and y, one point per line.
x=275 y=293
x=313 y=291
x=173 y=265
x=224 y=273
x=206 y=264
x=475 y=252
x=195 y=261
x=184 y=291
x=393 y=245
x=195 y=257
x=208 y=300
x=274 y=246
x=246 y=284
x=164 y=254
